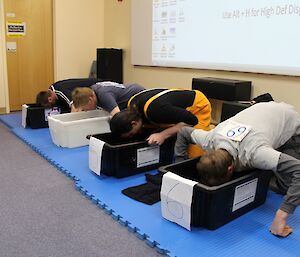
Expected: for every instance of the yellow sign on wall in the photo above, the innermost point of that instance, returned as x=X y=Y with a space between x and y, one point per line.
x=15 y=28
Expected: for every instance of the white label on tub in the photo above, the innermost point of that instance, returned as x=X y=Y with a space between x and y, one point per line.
x=176 y=199
x=24 y=114
x=95 y=154
x=52 y=111
x=147 y=156
x=244 y=194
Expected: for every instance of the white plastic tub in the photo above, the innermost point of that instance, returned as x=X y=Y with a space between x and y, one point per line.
x=70 y=129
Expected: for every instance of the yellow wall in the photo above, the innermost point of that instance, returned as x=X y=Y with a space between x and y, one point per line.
x=78 y=31
x=3 y=71
x=117 y=34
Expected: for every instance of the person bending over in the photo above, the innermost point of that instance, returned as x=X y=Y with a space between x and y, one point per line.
x=60 y=93
x=110 y=96
x=248 y=140
x=163 y=108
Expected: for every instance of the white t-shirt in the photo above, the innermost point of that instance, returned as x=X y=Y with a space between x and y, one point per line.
x=271 y=125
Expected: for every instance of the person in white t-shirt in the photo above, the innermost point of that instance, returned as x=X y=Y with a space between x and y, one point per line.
x=248 y=140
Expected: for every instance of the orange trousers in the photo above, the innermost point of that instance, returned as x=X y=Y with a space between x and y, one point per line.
x=201 y=108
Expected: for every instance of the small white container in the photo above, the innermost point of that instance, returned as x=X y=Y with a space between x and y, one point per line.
x=70 y=129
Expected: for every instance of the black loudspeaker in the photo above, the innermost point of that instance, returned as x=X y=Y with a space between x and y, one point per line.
x=229 y=109
x=110 y=64
x=223 y=89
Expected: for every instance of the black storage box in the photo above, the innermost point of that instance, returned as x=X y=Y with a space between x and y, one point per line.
x=215 y=206
x=123 y=157
x=229 y=109
x=35 y=116
x=223 y=89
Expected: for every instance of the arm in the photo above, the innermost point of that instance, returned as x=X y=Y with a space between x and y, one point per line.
x=73 y=109
x=279 y=226
x=107 y=101
x=288 y=172
x=115 y=110
x=183 y=140
x=159 y=138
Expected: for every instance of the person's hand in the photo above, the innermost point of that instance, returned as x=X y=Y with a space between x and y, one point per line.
x=279 y=226
x=73 y=109
x=156 y=139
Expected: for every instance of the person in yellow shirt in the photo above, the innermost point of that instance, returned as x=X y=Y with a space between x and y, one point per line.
x=170 y=109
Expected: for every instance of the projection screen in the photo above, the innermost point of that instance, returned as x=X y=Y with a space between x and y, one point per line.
x=247 y=35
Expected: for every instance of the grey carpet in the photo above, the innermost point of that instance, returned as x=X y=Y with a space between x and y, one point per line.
x=42 y=214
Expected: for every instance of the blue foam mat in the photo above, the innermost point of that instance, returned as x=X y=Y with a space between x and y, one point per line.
x=12 y=120
x=245 y=236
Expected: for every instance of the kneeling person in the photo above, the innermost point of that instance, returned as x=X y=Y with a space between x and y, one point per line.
x=60 y=93
x=110 y=96
x=163 y=108
x=248 y=140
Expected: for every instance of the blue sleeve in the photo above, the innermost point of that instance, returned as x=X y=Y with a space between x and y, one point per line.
x=107 y=101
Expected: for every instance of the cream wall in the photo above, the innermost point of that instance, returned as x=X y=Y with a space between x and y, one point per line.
x=78 y=31
x=81 y=26
x=117 y=34
x=3 y=73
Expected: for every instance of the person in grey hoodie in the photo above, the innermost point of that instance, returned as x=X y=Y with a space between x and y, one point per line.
x=249 y=140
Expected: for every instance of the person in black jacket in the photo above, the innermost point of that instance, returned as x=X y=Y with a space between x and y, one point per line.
x=60 y=92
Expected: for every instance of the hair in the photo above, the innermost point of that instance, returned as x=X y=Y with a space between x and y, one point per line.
x=42 y=98
x=120 y=123
x=213 y=166
x=80 y=96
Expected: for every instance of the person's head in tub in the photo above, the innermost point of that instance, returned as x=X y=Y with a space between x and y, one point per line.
x=46 y=98
x=127 y=123
x=264 y=136
x=166 y=110
x=84 y=99
x=110 y=96
x=215 y=167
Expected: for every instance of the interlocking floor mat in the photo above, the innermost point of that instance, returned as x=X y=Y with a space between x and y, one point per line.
x=245 y=236
x=12 y=120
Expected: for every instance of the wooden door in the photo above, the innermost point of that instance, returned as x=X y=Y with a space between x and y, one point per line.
x=30 y=65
